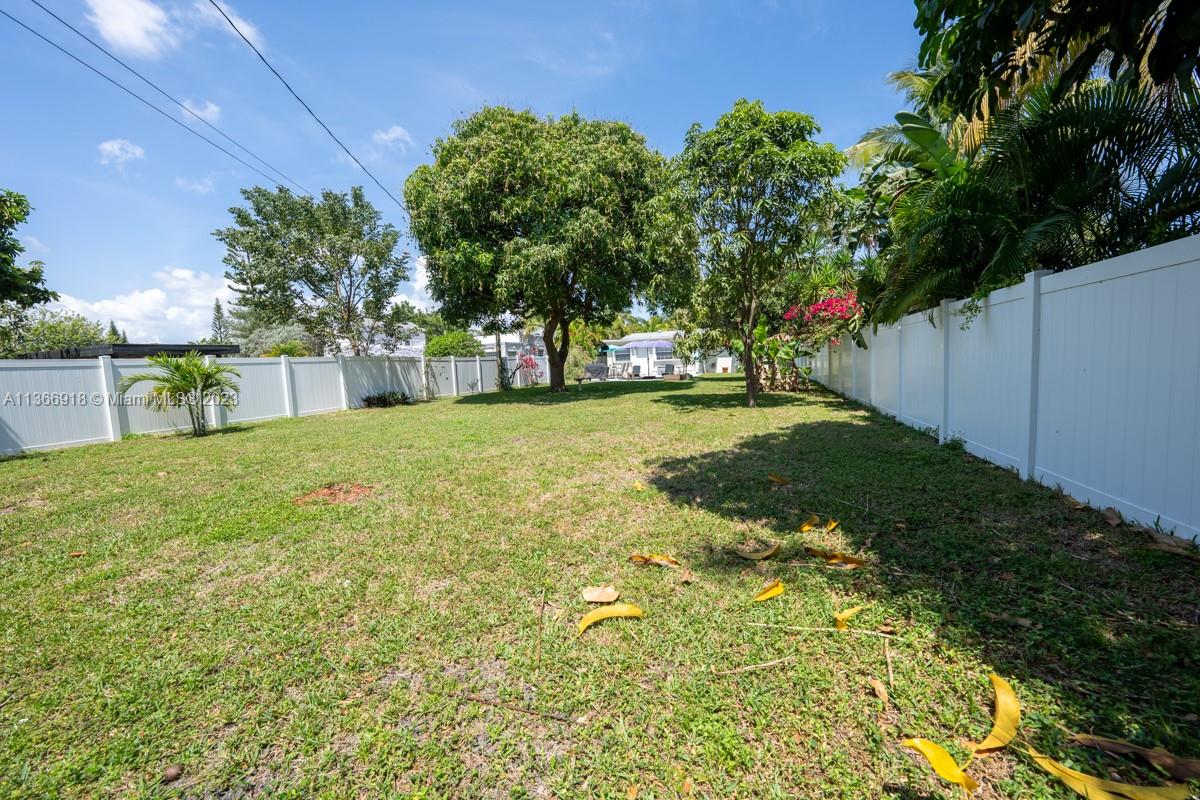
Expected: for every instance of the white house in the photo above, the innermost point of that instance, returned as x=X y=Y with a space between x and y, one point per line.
x=652 y=354
x=513 y=344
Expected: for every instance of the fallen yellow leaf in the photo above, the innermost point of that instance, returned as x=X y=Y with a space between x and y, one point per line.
x=600 y=594
x=1182 y=769
x=632 y=792
x=1099 y=789
x=759 y=555
x=778 y=479
x=810 y=523
x=772 y=589
x=608 y=612
x=657 y=559
x=831 y=525
x=1006 y=720
x=638 y=486
x=841 y=617
x=945 y=766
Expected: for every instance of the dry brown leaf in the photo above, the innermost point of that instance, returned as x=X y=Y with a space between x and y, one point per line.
x=1173 y=545
x=779 y=480
x=77 y=553
x=600 y=594
x=1073 y=504
x=1112 y=516
x=901 y=526
x=758 y=555
x=1024 y=622
x=632 y=792
x=835 y=559
x=1183 y=769
x=657 y=559
x=687 y=576
x=880 y=690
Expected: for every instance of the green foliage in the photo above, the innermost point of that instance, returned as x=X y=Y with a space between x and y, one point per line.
x=21 y=286
x=459 y=344
x=759 y=189
x=115 y=336
x=274 y=339
x=189 y=382
x=386 y=400
x=293 y=348
x=329 y=264
x=577 y=359
x=553 y=218
x=988 y=49
x=30 y=331
x=1055 y=184
x=220 y=333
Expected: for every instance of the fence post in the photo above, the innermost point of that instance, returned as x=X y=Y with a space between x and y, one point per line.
x=289 y=403
x=853 y=370
x=108 y=385
x=453 y=377
x=944 y=427
x=1033 y=302
x=478 y=375
x=900 y=370
x=424 y=378
x=341 y=365
x=871 y=370
x=214 y=413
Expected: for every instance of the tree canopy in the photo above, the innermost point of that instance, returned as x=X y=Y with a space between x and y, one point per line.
x=330 y=264
x=21 y=286
x=540 y=217
x=758 y=187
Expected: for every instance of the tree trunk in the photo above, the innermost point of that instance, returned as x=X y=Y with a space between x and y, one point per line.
x=750 y=367
x=500 y=382
x=556 y=355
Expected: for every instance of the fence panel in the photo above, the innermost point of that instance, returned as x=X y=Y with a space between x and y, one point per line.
x=260 y=390
x=488 y=368
x=136 y=416
x=1087 y=379
x=468 y=375
x=28 y=423
x=316 y=384
x=439 y=377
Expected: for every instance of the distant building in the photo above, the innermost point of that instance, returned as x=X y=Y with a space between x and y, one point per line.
x=135 y=350
x=652 y=354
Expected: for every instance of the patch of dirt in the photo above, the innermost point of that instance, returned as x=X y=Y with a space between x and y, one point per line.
x=335 y=494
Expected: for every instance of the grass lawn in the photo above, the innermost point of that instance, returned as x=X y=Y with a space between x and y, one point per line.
x=271 y=648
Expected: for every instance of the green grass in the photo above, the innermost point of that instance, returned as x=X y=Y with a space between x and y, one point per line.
x=285 y=650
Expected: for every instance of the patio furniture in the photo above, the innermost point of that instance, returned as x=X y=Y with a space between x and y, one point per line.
x=636 y=371
x=595 y=372
x=668 y=369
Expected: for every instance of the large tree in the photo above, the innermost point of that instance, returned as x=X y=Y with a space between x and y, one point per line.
x=559 y=219
x=330 y=264
x=758 y=187
x=39 y=329
x=21 y=287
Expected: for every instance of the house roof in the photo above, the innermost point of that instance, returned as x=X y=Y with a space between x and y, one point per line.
x=649 y=336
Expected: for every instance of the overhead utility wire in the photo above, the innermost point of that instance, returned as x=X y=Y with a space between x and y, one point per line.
x=135 y=95
x=311 y=113
x=174 y=100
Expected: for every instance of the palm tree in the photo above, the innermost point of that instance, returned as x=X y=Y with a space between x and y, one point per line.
x=189 y=382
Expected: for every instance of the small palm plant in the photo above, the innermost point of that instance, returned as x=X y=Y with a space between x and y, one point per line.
x=188 y=382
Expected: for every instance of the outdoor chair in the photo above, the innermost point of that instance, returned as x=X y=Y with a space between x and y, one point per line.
x=595 y=372
x=636 y=372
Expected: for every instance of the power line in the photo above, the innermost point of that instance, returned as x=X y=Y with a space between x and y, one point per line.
x=165 y=94
x=311 y=113
x=136 y=96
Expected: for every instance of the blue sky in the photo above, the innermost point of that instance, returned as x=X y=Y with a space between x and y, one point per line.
x=125 y=202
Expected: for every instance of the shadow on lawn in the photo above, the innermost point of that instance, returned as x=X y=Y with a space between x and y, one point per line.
x=1081 y=606
x=601 y=390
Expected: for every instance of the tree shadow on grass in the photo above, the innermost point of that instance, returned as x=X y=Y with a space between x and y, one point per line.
x=997 y=565
x=600 y=390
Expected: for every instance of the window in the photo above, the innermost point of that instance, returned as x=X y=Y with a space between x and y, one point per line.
x=621 y=355
x=664 y=353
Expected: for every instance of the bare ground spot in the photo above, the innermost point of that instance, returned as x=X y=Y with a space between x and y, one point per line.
x=335 y=494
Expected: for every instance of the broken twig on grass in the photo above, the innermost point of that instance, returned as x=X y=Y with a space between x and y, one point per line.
x=799 y=629
x=537 y=658
x=752 y=667
x=887 y=656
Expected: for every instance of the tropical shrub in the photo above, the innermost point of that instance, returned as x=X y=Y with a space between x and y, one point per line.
x=459 y=344
x=292 y=349
x=188 y=382
x=386 y=400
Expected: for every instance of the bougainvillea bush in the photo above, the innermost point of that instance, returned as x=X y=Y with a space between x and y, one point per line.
x=804 y=331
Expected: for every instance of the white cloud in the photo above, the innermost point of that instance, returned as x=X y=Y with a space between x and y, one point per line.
x=136 y=27
x=178 y=308
x=34 y=244
x=201 y=186
x=210 y=112
x=598 y=58
x=203 y=13
x=119 y=151
x=394 y=136
x=418 y=287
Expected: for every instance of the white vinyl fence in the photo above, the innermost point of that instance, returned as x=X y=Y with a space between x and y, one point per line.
x=1087 y=379
x=54 y=403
